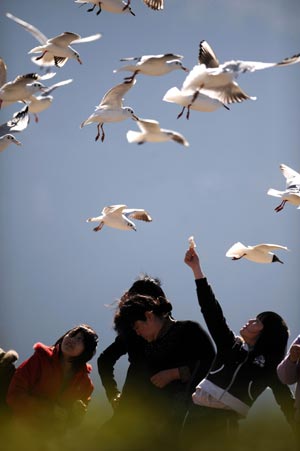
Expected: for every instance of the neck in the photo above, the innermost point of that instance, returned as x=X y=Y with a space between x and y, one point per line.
x=66 y=364
x=250 y=342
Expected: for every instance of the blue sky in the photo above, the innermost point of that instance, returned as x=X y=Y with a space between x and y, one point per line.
x=56 y=272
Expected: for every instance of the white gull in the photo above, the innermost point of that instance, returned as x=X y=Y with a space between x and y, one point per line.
x=151 y=132
x=40 y=103
x=6 y=140
x=202 y=102
x=292 y=192
x=259 y=253
x=112 y=6
x=55 y=51
x=17 y=123
x=191 y=98
x=119 y=217
x=154 y=65
x=111 y=108
x=219 y=80
x=19 y=90
x=155 y=4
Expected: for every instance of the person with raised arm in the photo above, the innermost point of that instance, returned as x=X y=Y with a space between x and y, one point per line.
x=245 y=365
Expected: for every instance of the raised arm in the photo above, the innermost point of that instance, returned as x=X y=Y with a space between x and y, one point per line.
x=192 y=260
x=210 y=307
x=289 y=369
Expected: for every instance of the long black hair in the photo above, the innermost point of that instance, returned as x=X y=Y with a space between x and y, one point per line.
x=90 y=340
x=272 y=341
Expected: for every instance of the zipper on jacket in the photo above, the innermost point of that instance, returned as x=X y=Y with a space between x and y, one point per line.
x=249 y=390
x=234 y=376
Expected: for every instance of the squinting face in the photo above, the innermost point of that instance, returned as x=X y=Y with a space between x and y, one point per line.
x=251 y=330
x=72 y=345
x=148 y=329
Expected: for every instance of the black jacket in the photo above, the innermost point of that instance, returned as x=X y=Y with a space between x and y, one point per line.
x=184 y=345
x=238 y=375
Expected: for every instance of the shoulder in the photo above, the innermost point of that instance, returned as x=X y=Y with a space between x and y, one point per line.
x=188 y=324
x=44 y=352
x=190 y=327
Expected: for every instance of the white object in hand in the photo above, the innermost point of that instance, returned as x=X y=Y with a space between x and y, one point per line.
x=192 y=243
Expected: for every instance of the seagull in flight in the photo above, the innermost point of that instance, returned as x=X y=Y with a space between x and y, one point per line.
x=292 y=191
x=55 y=51
x=157 y=5
x=154 y=65
x=186 y=99
x=151 y=132
x=111 y=108
x=218 y=80
x=6 y=140
x=21 y=87
x=17 y=123
x=190 y=96
x=119 y=217
x=40 y=103
x=112 y=6
x=259 y=253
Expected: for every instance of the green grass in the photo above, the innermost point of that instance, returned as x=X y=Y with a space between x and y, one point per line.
x=264 y=430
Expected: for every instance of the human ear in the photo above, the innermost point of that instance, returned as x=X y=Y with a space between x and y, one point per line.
x=149 y=315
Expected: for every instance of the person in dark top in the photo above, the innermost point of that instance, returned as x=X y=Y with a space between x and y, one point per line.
x=167 y=357
x=130 y=344
x=244 y=367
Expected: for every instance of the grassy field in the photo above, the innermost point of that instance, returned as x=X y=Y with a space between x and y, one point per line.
x=264 y=430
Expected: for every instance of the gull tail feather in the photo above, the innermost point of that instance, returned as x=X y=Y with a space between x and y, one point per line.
x=274 y=192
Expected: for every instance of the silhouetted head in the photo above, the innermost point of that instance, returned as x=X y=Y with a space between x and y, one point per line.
x=144 y=285
x=148 y=286
x=152 y=311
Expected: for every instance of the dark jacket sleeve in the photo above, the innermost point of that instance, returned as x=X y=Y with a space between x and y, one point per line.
x=106 y=362
x=213 y=315
x=202 y=355
x=283 y=395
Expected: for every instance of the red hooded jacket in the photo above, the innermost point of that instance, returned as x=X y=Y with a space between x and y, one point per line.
x=37 y=385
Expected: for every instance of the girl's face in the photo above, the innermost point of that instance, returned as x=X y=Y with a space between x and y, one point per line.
x=72 y=344
x=150 y=328
x=251 y=330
